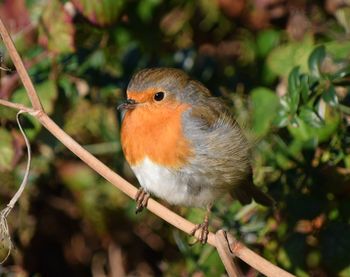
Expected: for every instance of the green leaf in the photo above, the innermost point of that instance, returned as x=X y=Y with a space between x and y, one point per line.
x=341 y=78
x=98 y=12
x=7 y=152
x=347 y=161
x=294 y=90
x=305 y=132
x=211 y=14
x=282 y=156
x=304 y=88
x=310 y=117
x=282 y=119
x=7 y=113
x=266 y=41
x=265 y=104
x=315 y=60
x=330 y=96
x=283 y=58
x=56 y=31
x=338 y=49
x=345 y=272
x=293 y=80
x=145 y=9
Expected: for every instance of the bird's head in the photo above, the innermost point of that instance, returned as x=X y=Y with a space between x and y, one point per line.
x=160 y=87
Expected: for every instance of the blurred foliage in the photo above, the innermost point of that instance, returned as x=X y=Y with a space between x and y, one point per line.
x=282 y=66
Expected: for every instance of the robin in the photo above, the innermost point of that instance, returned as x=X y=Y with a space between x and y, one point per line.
x=183 y=144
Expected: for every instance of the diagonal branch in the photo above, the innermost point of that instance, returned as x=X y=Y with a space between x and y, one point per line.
x=224 y=252
x=179 y=222
x=239 y=250
x=22 y=72
x=16 y=106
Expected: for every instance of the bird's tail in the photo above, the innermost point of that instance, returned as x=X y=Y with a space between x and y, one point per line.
x=247 y=192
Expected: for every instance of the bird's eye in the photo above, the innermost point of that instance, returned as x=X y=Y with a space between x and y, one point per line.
x=159 y=96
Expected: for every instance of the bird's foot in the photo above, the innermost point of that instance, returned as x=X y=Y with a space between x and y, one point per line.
x=141 y=199
x=203 y=232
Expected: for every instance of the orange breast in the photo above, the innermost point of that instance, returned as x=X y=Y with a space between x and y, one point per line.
x=155 y=132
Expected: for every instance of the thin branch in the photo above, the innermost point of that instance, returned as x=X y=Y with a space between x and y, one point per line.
x=179 y=222
x=224 y=253
x=16 y=106
x=238 y=249
x=5 y=69
x=17 y=61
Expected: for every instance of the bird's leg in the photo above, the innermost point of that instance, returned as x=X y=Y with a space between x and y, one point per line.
x=202 y=227
x=141 y=199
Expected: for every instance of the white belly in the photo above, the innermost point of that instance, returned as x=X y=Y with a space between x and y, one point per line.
x=169 y=185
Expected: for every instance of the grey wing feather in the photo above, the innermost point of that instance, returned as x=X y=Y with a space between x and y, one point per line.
x=224 y=151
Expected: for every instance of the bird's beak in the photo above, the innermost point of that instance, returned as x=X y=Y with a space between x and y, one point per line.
x=129 y=104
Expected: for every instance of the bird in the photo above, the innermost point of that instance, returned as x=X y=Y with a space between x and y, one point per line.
x=183 y=144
